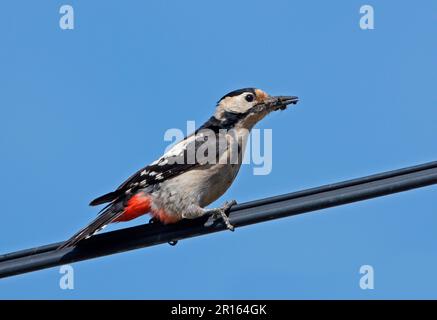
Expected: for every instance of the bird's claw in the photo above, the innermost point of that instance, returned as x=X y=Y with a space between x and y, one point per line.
x=228 y=205
x=223 y=212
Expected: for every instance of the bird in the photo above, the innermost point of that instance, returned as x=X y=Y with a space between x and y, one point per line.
x=194 y=172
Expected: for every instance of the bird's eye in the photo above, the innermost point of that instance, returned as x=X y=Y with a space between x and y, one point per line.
x=249 y=98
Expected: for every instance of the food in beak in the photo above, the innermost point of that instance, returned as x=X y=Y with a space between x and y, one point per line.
x=281 y=102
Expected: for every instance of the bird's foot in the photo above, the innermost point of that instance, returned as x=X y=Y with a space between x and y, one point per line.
x=223 y=212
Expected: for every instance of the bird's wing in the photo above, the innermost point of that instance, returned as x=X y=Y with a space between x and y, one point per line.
x=179 y=159
x=171 y=164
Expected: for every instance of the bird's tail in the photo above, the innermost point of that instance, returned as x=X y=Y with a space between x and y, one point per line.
x=108 y=215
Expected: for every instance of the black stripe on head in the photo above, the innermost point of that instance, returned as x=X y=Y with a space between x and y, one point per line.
x=238 y=92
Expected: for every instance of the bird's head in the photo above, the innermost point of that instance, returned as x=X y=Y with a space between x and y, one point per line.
x=245 y=107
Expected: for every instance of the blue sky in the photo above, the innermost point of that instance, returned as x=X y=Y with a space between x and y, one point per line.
x=82 y=109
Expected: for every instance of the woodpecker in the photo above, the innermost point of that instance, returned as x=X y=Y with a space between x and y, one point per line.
x=173 y=188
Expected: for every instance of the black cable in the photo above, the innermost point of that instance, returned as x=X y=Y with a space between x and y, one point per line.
x=241 y=215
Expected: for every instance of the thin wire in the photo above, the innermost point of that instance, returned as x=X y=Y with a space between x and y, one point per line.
x=241 y=215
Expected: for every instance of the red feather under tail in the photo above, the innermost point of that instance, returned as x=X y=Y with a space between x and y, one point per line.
x=138 y=205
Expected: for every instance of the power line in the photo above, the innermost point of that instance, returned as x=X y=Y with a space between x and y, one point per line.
x=241 y=215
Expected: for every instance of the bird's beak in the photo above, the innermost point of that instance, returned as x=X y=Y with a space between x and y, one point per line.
x=269 y=103
x=280 y=102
